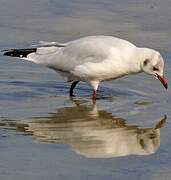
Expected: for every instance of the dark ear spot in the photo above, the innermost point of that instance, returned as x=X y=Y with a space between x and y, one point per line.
x=146 y=62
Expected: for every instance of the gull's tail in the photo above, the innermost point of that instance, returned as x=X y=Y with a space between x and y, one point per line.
x=42 y=48
x=21 y=53
x=39 y=54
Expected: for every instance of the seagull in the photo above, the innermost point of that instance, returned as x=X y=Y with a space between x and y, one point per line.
x=94 y=59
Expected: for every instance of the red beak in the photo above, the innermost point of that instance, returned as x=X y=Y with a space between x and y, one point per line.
x=163 y=81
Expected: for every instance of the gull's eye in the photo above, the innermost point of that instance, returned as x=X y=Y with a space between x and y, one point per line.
x=155 y=69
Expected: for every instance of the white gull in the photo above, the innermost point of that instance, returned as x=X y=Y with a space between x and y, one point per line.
x=94 y=59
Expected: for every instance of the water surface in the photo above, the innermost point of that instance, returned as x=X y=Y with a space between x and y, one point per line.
x=46 y=135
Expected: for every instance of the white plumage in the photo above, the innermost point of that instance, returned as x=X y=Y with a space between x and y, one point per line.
x=94 y=59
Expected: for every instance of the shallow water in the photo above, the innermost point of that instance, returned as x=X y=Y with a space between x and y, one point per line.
x=46 y=135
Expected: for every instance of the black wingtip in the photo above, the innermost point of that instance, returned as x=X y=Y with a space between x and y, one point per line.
x=18 y=52
x=7 y=52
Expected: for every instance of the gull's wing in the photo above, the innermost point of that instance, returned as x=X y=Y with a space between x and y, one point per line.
x=74 y=53
x=84 y=51
x=49 y=44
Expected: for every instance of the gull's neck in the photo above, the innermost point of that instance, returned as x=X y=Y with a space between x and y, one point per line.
x=133 y=63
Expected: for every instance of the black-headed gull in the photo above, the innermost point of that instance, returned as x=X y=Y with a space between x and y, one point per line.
x=94 y=59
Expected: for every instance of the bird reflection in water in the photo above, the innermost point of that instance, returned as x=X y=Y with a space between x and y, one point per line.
x=95 y=133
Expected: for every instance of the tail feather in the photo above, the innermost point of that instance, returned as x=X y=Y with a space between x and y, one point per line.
x=21 y=53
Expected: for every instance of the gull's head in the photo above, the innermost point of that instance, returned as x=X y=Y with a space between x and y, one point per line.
x=152 y=63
